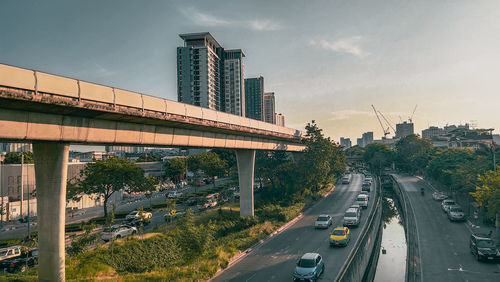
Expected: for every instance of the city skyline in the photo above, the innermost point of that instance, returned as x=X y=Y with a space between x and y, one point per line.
x=339 y=59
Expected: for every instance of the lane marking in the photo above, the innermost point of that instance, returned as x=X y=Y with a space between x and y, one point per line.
x=249 y=278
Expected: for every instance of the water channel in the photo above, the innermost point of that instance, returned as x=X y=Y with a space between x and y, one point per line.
x=391 y=264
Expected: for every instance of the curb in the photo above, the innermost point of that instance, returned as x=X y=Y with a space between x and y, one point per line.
x=239 y=256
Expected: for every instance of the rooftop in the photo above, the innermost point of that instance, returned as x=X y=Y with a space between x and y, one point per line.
x=200 y=35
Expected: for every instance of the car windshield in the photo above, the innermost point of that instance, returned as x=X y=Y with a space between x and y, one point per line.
x=306 y=263
x=449 y=203
x=338 y=232
x=456 y=210
x=322 y=218
x=361 y=199
x=350 y=214
x=3 y=253
x=485 y=244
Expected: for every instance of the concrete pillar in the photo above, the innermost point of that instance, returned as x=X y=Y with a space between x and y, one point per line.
x=51 y=170
x=246 y=165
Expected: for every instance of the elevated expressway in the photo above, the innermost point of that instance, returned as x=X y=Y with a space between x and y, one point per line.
x=53 y=112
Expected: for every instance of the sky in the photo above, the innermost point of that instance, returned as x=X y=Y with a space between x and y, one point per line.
x=326 y=60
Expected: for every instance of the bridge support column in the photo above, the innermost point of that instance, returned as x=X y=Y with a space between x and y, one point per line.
x=246 y=164
x=51 y=170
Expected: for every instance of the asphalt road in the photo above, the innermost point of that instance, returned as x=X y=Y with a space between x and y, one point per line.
x=444 y=245
x=275 y=259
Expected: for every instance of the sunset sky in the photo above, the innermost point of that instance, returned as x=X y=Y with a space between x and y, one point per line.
x=325 y=60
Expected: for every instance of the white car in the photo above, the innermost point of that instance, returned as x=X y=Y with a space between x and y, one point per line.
x=174 y=194
x=439 y=196
x=455 y=213
x=117 y=232
x=365 y=193
x=323 y=221
x=362 y=201
x=352 y=217
x=137 y=214
x=446 y=204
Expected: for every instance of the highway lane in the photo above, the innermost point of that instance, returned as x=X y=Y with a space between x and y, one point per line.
x=275 y=259
x=444 y=245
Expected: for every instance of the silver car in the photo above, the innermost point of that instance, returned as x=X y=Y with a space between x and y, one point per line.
x=362 y=201
x=352 y=217
x=455 y=213
x=117 y=232
x=446 y=204
x=323 y=221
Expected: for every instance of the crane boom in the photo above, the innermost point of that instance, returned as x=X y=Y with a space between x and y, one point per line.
x=411 y=118
x=387 y=121
x=386 y=131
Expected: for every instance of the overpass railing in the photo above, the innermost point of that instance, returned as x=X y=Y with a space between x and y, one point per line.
x=80 y=91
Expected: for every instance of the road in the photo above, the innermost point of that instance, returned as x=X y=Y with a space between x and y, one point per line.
x=275 y=259
x=444 y=245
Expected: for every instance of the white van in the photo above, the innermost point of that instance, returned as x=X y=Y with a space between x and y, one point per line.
x=362 y=201
x=351 y=217
x=346 y=179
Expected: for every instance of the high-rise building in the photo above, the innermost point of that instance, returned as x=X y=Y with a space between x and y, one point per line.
x=359 y=142
x=279 y=119
x=367 y=138
x=234 y=83
x=345 y=142
x=254 y=98
x=209 y=76
x=404 y=129
x=269 y=107
x=432 y=131
x=199 y=70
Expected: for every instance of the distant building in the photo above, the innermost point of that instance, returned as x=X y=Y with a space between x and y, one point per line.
x=269 y=107
x=359 y=142
x=496 y=139
x=125 y=149
x=367 y=138
x=404 y=129
x=254 y=98
x=234 y=83
x=15 y=147
x=345 y=142
x=279 y=119
x=432 y=132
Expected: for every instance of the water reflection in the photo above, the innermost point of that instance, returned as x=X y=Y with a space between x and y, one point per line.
x=391 y=264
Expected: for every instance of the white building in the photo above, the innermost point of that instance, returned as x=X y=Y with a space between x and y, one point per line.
x=269 y=107
x=234 y=82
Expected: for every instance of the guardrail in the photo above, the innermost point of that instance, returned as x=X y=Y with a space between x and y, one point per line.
x=413 y=263
x=358 y=260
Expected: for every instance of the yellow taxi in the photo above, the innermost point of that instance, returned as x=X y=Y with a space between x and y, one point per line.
x=340 y=236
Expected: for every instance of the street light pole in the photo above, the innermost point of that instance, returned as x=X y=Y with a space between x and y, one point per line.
x=2 y=157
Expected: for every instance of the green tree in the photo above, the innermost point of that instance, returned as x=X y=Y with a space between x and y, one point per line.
x=105 y=177
x=175 y=169
x=212 y=165
x=15 y=157
x=488 y=192
x=378 y=156
x=147 y=158
x=194 y=239
x=407 y=148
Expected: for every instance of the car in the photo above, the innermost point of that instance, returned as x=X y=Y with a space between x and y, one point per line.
x=174 y=194
x=368 y=178
x=136 y=222
x=323 y=221
x=366 y=187
x=309 y=267
x=455 y=213
x=445 y=204
x=117 y=232
x=346 y=179
x=10 y=252
x=439 y=196
x=351 y=217
x=28 y=258
x=483 y=248
x=365 y=193
x=138 y=214
x=340 y=236
x=362 y=201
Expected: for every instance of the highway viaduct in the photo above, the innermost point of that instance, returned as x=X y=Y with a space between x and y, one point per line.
x=53 y=112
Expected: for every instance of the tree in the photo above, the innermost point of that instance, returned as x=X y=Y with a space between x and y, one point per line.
x=408 y=147
x=175 y=169
x=228 y=156
x=378 y=156
x=488 y=192
x=212 y=165
x=105 y=177
x=15 y=157
x=147 y=158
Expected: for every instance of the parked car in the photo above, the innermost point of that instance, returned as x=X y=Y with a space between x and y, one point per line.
x=117 y=231
x=340 y=236
x=323 y=221
x=174 y=194
x=483 y=248
x=439 y=196
x=446 y=204
x=138 y=215
x=455 y=213
x=362 y=201
x=352 y=217
x=10 y=252
x=27 y=259
x=309 y=267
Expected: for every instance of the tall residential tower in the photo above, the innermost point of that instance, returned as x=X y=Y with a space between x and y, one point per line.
x=269 y=108
x=254 y=98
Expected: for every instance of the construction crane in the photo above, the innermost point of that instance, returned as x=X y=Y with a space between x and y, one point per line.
x=410 y=119
x=386 y=131
x=389 y=123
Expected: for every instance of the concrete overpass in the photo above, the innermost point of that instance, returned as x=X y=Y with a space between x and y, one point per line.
x=53 y=111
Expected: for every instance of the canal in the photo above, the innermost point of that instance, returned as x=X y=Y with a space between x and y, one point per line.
x=391 y=264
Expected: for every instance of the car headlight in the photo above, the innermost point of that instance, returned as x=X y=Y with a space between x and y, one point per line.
x=480 y=253
x=310 y=273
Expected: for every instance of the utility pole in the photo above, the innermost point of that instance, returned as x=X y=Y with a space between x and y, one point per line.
x=2 y=157
x=28 y=185
x=22 y=183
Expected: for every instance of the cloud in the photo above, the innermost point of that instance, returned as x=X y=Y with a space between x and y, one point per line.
x=204 y=19
x=349 y=45
x=264 y=25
